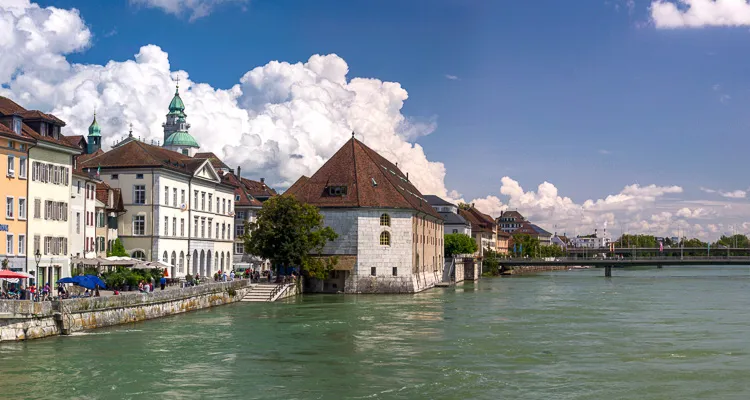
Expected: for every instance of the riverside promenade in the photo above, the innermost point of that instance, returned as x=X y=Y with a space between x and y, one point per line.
x=24 y=319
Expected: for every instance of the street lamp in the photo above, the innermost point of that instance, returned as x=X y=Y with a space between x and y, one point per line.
x=188 y=263
x=37 y=258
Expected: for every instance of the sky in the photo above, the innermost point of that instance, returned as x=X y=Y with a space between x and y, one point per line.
x=626 y=114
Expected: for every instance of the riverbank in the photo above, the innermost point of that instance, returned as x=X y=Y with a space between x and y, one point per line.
x=526 y=270
x=25 y=320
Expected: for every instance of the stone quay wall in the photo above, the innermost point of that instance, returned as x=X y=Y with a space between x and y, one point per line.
x=24 y=320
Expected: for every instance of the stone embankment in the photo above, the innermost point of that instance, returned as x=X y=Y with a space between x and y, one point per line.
x=532 y=270
x=23 y=320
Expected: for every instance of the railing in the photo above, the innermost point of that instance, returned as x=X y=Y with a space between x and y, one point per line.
x=276 y=290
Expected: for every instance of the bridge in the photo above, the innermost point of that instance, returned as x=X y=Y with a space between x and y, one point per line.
x=609 y=263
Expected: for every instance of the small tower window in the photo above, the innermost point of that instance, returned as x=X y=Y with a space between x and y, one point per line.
x=385 y=220
x=385 y=238
x=337 y=190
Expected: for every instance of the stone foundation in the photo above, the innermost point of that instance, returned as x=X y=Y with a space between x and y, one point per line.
x=23 y=320
x=531 y=269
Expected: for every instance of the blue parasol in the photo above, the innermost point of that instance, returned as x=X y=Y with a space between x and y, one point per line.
x=88 y=282
x=66 y=280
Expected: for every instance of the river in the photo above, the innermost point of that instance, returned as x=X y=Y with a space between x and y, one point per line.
x=672 y=333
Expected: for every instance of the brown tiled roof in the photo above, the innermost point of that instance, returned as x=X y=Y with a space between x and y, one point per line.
x=370 y=180
x=527 y=229
x=10 y=134
x=140 y=154
x=299 y=183
x=9 y=107
x=213 y=159
x=85 y=157
x=503 y=233
x=239 y=190
x=258 y=189
x=480 y=222
x=510 y=214
x=74 y=140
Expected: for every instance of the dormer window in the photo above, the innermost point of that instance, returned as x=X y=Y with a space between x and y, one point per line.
x=17 y=125
x=337 y=190
x=43 y=129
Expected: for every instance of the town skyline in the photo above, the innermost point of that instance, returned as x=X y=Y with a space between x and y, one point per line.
x=283 y=119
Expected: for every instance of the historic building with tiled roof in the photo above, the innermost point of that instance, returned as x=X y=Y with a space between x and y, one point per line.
x=44 y=165
x=390 y=239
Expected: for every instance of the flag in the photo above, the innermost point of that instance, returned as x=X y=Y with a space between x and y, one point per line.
x=661 y=246
x=520 y=248
x=514 y=249
x=98 y=170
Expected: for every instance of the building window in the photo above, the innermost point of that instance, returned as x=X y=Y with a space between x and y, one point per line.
x=174 y=197
x=455 y=231
x=373 y=271
x=203 y=227
x=239 y=248
x=195 y=199
x=210 y=202
x=43 y=129
x=203 y=201
x=174 y=226
x=139 y=254
x=9 y=244
x=37 y=208
x=115 y=176
x=182 y=196
x=241 y=215
x=21 y=208
x=218 y=200
x=139 y=194
x=166 y=195
x=210 y=223
x=139 y=225
x=17 y=125
x=165 y=258
x=223 y=231
x=385 y=220
x=9 y=206
x=195 y=227
x=395 y=271
x=217 y=230
x=239 y=230
x=138 y=176
x=78 y=222
x=11 y=166
x=22 y=168
x=37 y=241
x=237 y=198
x=337 y=190
x=166 y=226
x=385 y=238
x=223 y=206
x=182 y=227
x=21 y=244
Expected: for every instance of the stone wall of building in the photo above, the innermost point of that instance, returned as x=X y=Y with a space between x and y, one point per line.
x=344 y=223
x=23 y=320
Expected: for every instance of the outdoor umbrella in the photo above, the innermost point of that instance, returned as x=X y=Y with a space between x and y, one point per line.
x=89 y=282
x=66 y=280
x=5 y=273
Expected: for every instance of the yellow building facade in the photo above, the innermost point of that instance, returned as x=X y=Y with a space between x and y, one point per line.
x=14 y=194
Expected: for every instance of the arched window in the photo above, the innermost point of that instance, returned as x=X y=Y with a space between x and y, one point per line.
x=165 y=257
x=385 y=220
x=385 y=238
x=182 y=261
x=174 y=259
x=139 y=255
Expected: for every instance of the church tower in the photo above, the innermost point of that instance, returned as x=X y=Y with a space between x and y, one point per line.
x=94 y=138
x=176 y=136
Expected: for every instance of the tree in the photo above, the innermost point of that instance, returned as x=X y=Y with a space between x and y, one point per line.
x=490 y=263
x=525 y=245
x=459 y=243
x=290 y=233
x=117 y=249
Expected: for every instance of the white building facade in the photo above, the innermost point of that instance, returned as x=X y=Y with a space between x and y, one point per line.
x=82 y=218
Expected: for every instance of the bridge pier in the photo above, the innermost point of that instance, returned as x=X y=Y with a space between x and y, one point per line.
x=608 y=271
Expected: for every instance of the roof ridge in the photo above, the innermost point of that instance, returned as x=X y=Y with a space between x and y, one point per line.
x=384 y=174
x=356 y=182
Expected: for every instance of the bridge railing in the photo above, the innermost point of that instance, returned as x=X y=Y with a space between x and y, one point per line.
x=615 y=260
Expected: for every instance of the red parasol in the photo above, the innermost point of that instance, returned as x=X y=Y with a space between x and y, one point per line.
x=5 y=273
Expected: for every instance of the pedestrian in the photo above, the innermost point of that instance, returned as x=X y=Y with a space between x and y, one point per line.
x=231 y=275
x=163 y=282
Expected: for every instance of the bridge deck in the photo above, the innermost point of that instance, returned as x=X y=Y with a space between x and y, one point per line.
x=626 y=262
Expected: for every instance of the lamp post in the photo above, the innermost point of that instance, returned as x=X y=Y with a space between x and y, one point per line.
x=37 y=258
x=188 y=263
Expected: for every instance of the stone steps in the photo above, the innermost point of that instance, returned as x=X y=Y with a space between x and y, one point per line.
x=259 y=293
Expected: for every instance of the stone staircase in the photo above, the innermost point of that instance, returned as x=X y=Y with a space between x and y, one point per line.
x=260 y=292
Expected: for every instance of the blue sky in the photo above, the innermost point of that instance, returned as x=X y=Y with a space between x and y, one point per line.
x=583 y=94
x=588 y=95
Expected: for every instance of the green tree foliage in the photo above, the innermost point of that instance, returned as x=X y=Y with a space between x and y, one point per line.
x=117 y=250
x=458 y=243
x=290 y=233
x=490 y=263
x=525 y=245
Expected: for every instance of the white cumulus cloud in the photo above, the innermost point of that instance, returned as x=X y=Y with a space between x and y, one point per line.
x=194 y=8
x=700 y=13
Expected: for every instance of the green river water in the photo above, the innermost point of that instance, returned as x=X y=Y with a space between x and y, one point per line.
x=672 y=333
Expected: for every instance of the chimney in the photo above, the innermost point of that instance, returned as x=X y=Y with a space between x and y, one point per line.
x=239 y=171
x=407 y=177
x=263 y=181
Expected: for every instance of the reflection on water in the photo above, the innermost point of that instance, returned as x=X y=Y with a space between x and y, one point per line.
x=644 y=334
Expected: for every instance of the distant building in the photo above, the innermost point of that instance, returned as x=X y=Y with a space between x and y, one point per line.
x=562 y=241
x=509 y=221
x=483 y=228
x=390 y=240
x=452 y=221
x=109 y=207
x=593 y=241
x=503 y=242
